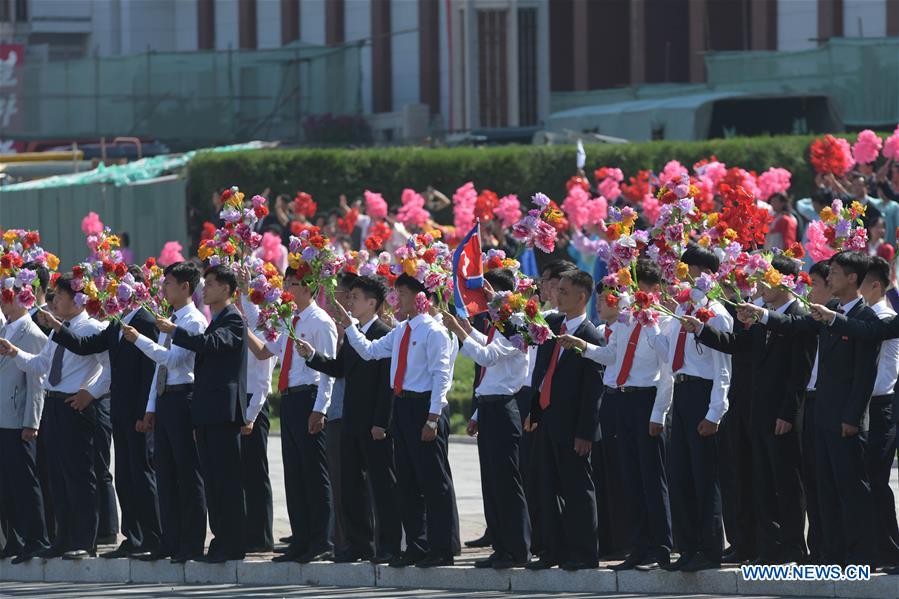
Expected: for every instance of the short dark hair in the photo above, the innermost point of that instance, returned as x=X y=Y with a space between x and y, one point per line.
x=879 y=270
x=223 y=274
x=852 y=263
x=822 y=269
x=580 y=279
x=409 y=282
x=345 y=279
x=124 y=239
x=648 y=272
x=696 y=255
x=372 y=288
x=184 y=272
x=64 y=284
x=557 y=267
x=137 y=272
x=42 y=272
x=785 y=266
x=501 y=279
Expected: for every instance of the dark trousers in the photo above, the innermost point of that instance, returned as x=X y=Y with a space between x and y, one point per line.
x=779 y=495
x=845 y=498
x=368 y=477
x=182 y=501
x=814 y=538
x=879 y=458
x=612 y=509
x=135 y=485
x=334 y=451
x=22 y=501
x=505 y=508
x=568 y=514
x=257 y=485
x=695 y=493
x=423 y=481
x=70 y=451
x=306 y=479
x=43 y=472
x=527 y=466
x=735 y=461
x=107 y=512
x=219 y=449
x=643 y=475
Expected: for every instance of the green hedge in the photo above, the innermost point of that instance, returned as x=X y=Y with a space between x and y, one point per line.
x=523 y=170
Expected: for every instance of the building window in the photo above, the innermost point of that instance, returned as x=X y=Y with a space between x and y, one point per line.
x=527 y=67
x=5 y=15
x=21 y=10
x=493 y=97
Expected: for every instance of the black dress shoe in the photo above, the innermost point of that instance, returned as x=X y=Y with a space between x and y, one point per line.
x=435 y=561
x=108 y=539
x=221 y=558
x=735 y=556
x=290 y=556
x=117 y=553
x=350 y=557
x=632 y=561
x=575 y=565
x=700 y=562
x=383 y=558
x=23 y=557
x=50 y=553
x=319 y=554
x=680 y=563
x=487 y=562
x=183 y=558
x=654 y=563
x=405 y=559
x=544 y=563
x=506 y=562
x=10 y=551
x=260 y=549
x=75 y=554
x=287 y=540
x=152 y=556
x=484 y=541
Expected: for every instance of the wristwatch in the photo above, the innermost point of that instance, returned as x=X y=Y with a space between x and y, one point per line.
x=431 y=424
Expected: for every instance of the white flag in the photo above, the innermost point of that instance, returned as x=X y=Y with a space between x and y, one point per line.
x=581 y=156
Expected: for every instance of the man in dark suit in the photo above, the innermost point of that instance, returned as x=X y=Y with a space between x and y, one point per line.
x=132 y=374
x=847 y=368
x=218 y=407
x=781 y=365
x=566 y=401
x=366 y=448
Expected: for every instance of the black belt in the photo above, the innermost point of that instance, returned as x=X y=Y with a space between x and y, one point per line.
x=882 y=398
x=689 y=378
x=631 y=389
x=492 y=398
x=301 y=389
x=178 y=388
x=810 y=394
x=58 y=395
x=414 y=395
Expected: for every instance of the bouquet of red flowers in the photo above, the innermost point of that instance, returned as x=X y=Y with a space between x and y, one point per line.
x=831 y=155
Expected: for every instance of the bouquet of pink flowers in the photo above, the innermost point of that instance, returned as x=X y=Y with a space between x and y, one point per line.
x=840 y=229
x=17 y=248
x=276 y=306
x=428 y=260
x=517 y=315
x=538 y=227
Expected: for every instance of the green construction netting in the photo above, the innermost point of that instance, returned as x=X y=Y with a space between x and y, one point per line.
x=208 y=97
x=132 y=172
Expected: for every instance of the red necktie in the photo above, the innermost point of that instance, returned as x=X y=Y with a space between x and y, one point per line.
x=288 y=359
x=401 y=361
x=678 y=361
x=484 y=368
x=629 y=356
x=546 y=389
x=608 y=333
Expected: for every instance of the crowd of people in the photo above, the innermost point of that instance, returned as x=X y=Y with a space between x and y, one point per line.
x=765 y=420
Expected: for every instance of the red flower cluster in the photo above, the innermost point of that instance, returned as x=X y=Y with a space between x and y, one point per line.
x=642 y=299
x=347 y=222
x=831 y=155
x=637 y=189
x=208 y=231
x=796 y=251
x=303 y=204
x=743 y=215
x=611 y=300
x=373 y=243
x=380 y=229
x=261 y=211
x=494 y=262
x=531 y=308
x=704 y=315
x=578 y=181
x=485 y=204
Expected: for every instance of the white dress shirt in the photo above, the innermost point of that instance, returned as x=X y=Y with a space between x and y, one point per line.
x=428 y=367
x=648 y=369
x=259 y=372
x=506 y=364
x=316 y=328
x=888 y=359
x=127 y=320
x=454 y=344
x=571 y=325
x=90 y=373
x=699 y=360
x=178 y=361
x=813 y=379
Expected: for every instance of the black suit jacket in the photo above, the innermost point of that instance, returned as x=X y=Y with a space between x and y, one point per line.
x=132 y=371
x=780 y=368
x=220 y=394
x=847 y=366
x=577 y=388
x=367 y=396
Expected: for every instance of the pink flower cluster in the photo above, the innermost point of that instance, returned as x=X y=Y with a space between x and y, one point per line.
x=867 y=147
x=464 y=202
x=773 y=181
x=891 y=146
x=375 y=206
x=533 y=231
x=413 y=210
x=508 y=211
x=170 y=254
x=91 y=224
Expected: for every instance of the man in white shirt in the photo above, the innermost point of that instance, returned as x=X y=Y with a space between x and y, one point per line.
x=498 y=426
x=420 y=370
x=72 y=384
x=306 y=395
x=882 y=424
x=182 y=503
x=642 y=385
x=701 y=383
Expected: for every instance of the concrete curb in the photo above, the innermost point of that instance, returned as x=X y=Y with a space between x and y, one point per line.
x=726 y=581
